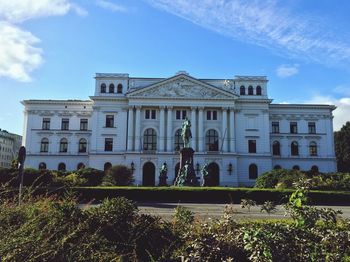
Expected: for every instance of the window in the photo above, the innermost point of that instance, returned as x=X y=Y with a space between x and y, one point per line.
x=80 y=166
x=108 y=144
x=111 y=88
x=275 y=127
x=42 y=166
x=61 y=167
x=109 y=120
x=178 y=140
x=314 y=169
x=212 y=140
x=181 y=114
x=212 y=115
x=46 y=123
x=253 y=171
x=312 y=127
x=277 y=167
x=250 y=90
x=82 y=145
x=83 y=124
x=252 y=146
x=242 y=90
x=120 y=89
x=65 y=124
x=276 y=149
x=258 y=90
x=44 y=145
x=294 y=148
x=103 y=88
x=63 y=145
x=150 y=114
x=313 y=149
x=150 y=140
x=293 y=127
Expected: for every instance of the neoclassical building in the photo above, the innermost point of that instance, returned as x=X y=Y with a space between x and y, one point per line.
x=136 y=121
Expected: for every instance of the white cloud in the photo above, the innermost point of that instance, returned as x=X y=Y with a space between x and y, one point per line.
x=266 y=24
x=342 y=89
x=110 y=6
x=284 y=71
x=17 y=11
x=18 y=53
x=341 y=114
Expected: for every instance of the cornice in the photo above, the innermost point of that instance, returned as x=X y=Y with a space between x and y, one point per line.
x=302 y=106
x=57 y=102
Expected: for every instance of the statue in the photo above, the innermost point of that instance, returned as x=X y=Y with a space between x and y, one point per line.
x=186 y=132
x=205 y=175
x=163 y=175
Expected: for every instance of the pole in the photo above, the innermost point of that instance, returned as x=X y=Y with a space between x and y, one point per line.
x=21 y=159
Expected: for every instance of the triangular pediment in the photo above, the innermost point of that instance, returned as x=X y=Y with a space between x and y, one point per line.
x=181 y=86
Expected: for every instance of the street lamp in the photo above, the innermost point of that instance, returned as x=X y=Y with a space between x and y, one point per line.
x=132 y=167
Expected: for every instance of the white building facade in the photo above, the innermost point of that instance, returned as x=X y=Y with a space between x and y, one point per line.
x=9 y=147
x=134 y=121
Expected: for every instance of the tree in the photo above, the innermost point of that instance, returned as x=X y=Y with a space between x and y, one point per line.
x=342 y=148
x=118 y=175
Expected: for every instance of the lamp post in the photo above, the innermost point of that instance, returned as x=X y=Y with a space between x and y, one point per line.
x=132 y=167
x=21 y=159
x=229 y=169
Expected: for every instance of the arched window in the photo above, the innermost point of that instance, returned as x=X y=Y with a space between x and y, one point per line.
x=277 y=167
x=61 y=167
x=212 y=140
x=242 y=90
x=82 y=145
x=150 y=140
x=111 y=88
x=296 y=167
x=80 y=166
x=276 y=148
x=294 y=148
x=120 y=89
x=103 y=88
x=44 y=145
x=178 y=140
x=258 y=90
x=107 y=166
x=250 y=90
x=313 y=148
x=42 y=166
x=63 y=145
x=314 y=169
x=253 y=171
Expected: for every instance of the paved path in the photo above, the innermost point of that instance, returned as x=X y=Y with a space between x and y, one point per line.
x=206 y=211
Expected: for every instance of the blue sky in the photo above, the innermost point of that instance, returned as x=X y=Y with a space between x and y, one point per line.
x=51 y=49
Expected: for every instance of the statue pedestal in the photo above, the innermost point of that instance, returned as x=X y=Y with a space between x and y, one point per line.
x=187 y=175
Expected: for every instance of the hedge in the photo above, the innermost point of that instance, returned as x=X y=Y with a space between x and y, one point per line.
x=207 y=194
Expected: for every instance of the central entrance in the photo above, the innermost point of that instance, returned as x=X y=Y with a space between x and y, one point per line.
x=214 y=173
x=149 y=174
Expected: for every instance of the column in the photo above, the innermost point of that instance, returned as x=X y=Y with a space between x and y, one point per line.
x=131 y=129
x=232 y=131
x=200 y=129
x=193 y=128
x=225 y=131
x=169 y=130
x=161 y=129
x=138 y=129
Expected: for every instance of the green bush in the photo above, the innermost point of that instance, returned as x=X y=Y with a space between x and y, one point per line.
x=118 y=175
x=93 y=176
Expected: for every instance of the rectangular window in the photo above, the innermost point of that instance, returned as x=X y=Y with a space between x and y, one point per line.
x=293 y=127
x=150 y=114
x=275 y=127
x=46 y=123
x=65 y=124
x=312 y=127
x=208 y=115
x=252 y=146
x=215 y=115
x=109 y=120
x=83 y=124
x=212 y=115
x=108 y=144
x=181 y=114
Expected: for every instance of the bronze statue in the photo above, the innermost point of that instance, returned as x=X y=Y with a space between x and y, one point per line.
x=163 y=175
x=186 y=132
